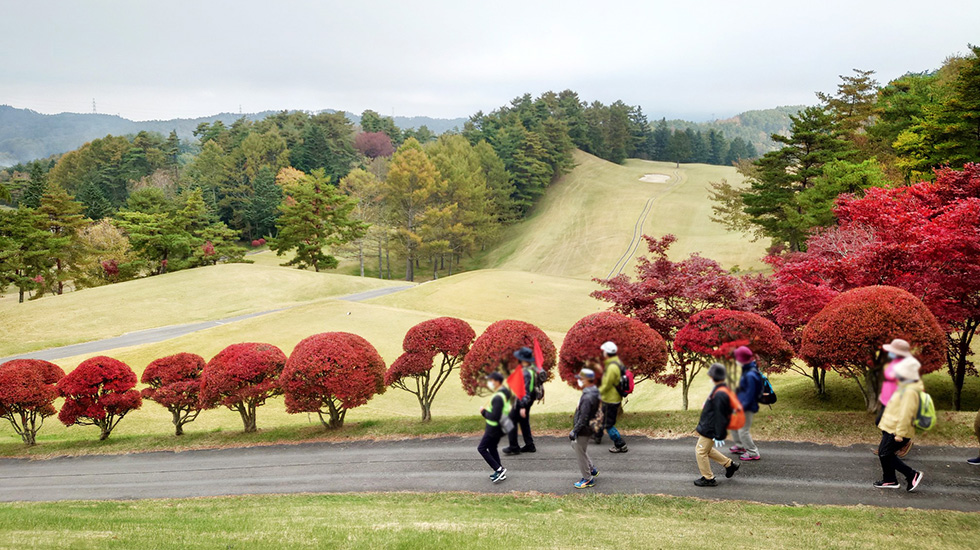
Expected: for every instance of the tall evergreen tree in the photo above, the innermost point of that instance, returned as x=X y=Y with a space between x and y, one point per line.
x=412 y=184
x=36 y=186
x=61 y=216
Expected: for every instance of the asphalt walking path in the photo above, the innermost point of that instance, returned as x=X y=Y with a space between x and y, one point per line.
x=160 y=334
x=789 y=473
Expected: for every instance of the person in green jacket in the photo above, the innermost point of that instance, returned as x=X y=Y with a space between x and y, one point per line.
x=610 y=398
x=897 y=425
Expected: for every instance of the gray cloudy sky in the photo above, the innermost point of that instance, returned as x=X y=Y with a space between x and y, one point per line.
x=691 y=59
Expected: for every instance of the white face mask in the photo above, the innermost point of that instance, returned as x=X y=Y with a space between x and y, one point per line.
x=581 y=383
x=491 y=385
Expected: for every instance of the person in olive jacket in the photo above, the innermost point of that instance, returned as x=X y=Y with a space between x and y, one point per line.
x=897 y=425
x=713 y=429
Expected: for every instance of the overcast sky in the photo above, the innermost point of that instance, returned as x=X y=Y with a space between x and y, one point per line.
x=680 y=59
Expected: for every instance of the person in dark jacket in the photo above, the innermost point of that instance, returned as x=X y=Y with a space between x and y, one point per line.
x=499 y=409
x=749 y=388
x=588 y=408
x=713 y=429
x=521 y=413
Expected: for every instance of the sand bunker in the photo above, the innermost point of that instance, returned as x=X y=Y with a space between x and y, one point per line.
x=655 y=178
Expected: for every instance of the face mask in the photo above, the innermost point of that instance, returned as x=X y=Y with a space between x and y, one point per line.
x=491 y=386
x=581 y=383
x=891 y=355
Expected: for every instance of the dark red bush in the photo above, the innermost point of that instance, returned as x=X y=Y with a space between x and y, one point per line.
x=446 y=337
x=175 y=383
x=331 y=373
x=241 y=377
x=99 y=392
x=27 y=393
x=640 y=347
x=496 y=346
x=847 y=335
x=374 y=144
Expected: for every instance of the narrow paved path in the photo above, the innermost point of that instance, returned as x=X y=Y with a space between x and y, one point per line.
x=153 y=335
x=789 y=473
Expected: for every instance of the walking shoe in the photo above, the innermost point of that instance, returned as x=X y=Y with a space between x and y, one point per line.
x=731 y=469
x=973 y=461
x=905 y=449
x=622 y=449
x=584 y=483
x=597 y=440
x=595 y=472
x=499 y=475
x=747 y=456
x=704 y=482
x=887 y=484
x=737 y=450
x=511 y=450
x=528 y=449
x=914 y=482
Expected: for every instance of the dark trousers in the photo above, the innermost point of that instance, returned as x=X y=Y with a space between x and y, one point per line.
x=609 y=413
x=488 y=446
x=524 y=424
x=889 y=461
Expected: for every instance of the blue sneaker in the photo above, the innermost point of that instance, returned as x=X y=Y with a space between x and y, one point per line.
x=584 y=483
x=595 y=472
x=974 y=461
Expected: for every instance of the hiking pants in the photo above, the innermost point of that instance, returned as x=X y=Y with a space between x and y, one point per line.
x=889 y=461
x=581 y=446
x=609 y=413
x=743 y=438
x=706 y=451
x=524 y=424
x=488 y=446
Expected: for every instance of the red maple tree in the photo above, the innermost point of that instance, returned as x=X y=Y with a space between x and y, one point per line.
x=640 y=347
x=847 y=335
x=241 y=377
x=444 y=339
x=27 y=393
x=175 y=383
x=99 y=392
x=331 y=373
x=494 y=350
x=374 y=144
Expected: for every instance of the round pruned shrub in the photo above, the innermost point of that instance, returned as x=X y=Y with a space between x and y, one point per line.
x=331 y=373
x=99 y=392
x=175 y=383
x=241 y=377
x=494 y=349
x=641 y=348
x=445 y=341
x=27 y=393
x=847 y=335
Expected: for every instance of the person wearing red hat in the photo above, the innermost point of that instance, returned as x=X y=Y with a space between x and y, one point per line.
x=749 y=388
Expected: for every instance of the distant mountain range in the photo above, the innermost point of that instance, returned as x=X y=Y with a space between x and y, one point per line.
x=26 y=135
x=756 y=127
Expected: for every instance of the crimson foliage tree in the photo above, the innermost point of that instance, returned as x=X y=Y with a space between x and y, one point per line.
x=446 y=340
x=924 y=238
x=331 y=373
x=27 y=394
x=847 y=335
x=241 y=377
x=666 y=294
x=713 y=335
x=640 y=347
x=99 y=392
x=495 y=348
x=175 y=383
x=374 y=144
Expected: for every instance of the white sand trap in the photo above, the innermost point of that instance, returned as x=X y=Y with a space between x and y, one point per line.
x=655 y=178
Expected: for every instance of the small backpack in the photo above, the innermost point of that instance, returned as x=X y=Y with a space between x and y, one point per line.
x=626 y=382
x=540 y=377
x=767 y=395
x=737 y=420
x=925 y=418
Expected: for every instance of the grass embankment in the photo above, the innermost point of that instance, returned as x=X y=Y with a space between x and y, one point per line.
x=455 y=520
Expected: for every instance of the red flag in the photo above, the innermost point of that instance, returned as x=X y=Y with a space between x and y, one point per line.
x=538 y=355
x=516 y=382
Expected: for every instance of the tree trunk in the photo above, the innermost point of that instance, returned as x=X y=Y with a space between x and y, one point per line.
x=247 y=412
x=178 y=426
x=435 y=270
x=684 y=389
x=870 y=389
x=360 y=255
x=381 y=273
x=409 y=270
x=105 y=430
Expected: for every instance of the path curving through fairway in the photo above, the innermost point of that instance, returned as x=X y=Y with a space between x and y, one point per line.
x=637 y=237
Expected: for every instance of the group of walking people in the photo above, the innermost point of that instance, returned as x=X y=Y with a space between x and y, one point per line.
x=724 y=412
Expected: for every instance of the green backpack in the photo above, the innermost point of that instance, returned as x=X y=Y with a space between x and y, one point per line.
x=925 y=418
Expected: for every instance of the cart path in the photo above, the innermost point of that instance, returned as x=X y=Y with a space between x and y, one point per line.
x=789 y=473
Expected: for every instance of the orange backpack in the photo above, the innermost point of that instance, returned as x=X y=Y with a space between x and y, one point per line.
x=737 y=421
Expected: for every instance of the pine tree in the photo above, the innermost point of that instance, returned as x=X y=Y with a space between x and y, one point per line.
x=412 y=181
x=24 y=250
x=61 y=217
x=36 y=186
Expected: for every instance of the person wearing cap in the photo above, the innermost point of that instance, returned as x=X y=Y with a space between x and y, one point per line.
x=609 y=395
x=749 y=388
x=588 y=408
x=499 y=409
x=897 y=426
x=521 y=413
x=713 y=429
x=897 y=350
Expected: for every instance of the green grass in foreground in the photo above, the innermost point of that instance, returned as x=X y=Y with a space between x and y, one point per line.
x=413 y=521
